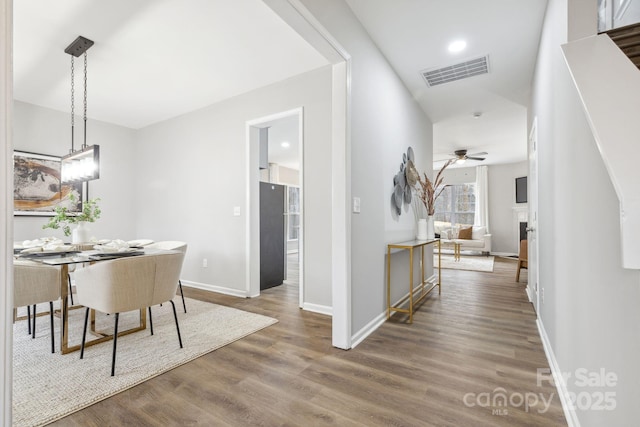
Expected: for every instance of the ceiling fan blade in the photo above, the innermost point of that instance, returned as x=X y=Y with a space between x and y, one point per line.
x=475 y=158
x=484 y=153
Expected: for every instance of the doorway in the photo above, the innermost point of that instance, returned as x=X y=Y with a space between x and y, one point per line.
x=275 y=181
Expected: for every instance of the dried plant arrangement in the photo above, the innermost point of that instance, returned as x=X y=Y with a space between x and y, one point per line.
x=427 y=191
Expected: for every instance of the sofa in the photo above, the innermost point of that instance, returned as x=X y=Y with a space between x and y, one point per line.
x=480 y=240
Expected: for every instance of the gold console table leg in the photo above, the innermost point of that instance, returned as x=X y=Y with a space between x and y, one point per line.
x=410 y=298
x=388 y=283
x=411 y=285
x=439 y=267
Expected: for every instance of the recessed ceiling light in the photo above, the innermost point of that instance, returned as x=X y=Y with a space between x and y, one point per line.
x=285 y=144
x=457 y=46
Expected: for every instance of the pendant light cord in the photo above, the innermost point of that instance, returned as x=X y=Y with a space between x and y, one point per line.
x=84 y=143
x=72 y=104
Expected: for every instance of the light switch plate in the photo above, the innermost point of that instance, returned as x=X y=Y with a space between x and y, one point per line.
x=236 y=211
x=356 y=205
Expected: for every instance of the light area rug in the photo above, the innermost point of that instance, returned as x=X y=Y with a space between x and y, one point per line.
x=473 y=263
x=47 y=386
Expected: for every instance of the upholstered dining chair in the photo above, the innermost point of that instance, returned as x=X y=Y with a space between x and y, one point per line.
x=172 y=245
x=522 y=258
x=128 y=284
x=35 y=283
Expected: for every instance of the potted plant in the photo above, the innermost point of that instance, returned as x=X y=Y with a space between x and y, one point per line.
x=427 y=192
x=63 y=218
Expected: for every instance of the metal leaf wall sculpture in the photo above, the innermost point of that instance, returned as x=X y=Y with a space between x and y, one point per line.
x=403 y=182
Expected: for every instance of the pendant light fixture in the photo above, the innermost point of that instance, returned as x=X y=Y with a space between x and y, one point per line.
x=83 y=164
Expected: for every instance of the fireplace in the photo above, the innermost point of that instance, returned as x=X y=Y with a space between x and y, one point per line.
x=523 y=230
x=520 y=223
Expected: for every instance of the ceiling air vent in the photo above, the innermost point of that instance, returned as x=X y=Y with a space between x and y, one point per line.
x=451 y=73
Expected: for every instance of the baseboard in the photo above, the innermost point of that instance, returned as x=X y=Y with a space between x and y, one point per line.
x=317 y=308
x=368 y=329
x=558 y=378
x=529 y=293
x=504 y=254
x=374 y=324
x=214 y=288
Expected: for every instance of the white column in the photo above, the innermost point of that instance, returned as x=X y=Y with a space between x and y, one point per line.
x=6 y=212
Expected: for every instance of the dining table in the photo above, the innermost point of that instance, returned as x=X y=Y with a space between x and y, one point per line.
x=77 y=256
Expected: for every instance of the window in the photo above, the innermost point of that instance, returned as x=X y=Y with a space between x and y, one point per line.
x=293 y=209
x=457 y=204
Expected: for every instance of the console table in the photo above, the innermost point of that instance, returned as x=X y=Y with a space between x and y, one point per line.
x=413 y=300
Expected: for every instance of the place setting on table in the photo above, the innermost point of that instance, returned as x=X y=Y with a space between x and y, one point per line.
x=44 y=246
x=54 y=251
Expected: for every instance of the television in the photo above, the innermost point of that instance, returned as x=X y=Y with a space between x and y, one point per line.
x=521 y=189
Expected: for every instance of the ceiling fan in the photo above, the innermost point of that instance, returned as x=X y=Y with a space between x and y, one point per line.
x=461 y=156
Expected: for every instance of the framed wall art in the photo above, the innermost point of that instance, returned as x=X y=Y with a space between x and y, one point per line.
x=36 y=186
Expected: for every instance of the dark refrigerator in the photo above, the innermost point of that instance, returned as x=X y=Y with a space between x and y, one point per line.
x=272 y=234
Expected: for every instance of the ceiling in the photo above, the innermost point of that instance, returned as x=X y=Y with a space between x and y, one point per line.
x=152 y=59
x=414 y=36
x=157 y=59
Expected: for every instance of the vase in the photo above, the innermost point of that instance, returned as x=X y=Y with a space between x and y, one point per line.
x=422 y=229
x=431 y=233
x=80 y=234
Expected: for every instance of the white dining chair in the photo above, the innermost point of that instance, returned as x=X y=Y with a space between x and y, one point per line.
x=128 y=284
x=35 y=283
x=172 y=245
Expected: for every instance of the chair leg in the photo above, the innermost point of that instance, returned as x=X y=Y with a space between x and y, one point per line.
x=70 y=289
x=29 y=319
x=175 y=316
x=84 y=332
x=53 y=340
x=33 y=328
x=182 y=295
x=115 y=344
x=150 y=321
x=518 y=272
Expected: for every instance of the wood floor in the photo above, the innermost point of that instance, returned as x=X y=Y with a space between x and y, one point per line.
x=475 y=341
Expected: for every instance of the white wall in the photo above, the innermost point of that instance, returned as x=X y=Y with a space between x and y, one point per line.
x=385 y=121
x=45 y=131
x=590 y=310
x=195 y=174
x=502 y=200
x=288 y=176
x=632 y=15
